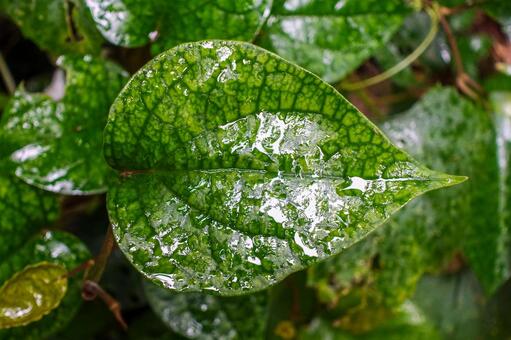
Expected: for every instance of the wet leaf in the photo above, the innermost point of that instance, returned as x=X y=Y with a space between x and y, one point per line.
x=31 y=294
x=202 y=316
x=450 y=133
x=331 y=38
x=134 y=23
x=57 y=248
x=55 y=144
x=59 y=26
x=240 y=168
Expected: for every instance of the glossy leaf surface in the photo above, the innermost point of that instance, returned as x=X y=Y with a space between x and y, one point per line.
x=31 y=294
x=240 y=168
x=55 y=25
x=449 y=133
x=55 y=144
x=135 y=23
x=57 y=248
x=202 y=316
x=328 y=37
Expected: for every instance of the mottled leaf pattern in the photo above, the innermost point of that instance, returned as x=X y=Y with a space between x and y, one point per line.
x=328 y=37
x=241 y=168
x=202 y=316
x=57 y=248
x=31 y=294
x=55 y=144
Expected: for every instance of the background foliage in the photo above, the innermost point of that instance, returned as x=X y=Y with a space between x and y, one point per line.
x=435 y=77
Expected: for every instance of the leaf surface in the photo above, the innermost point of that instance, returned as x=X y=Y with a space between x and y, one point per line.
x=328 y=37
x=59 y=249
x=202 y=316
x=31 y=294
x=240 y=168
x=54 y=144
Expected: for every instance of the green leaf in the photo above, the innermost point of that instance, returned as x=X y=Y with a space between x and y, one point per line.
x=449 y=133
x=331 y=38
x=55 y=144
x=134 y=23
x=408 y=323
x=202 y=316
x=57 y=248
x=31 y=294
x=23 y=211
x=453 y=303
x=59 y=26
x=240 y=168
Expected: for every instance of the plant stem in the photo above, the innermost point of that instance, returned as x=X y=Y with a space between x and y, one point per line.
x=96 y=272
x=403 y=63
x=7 y=76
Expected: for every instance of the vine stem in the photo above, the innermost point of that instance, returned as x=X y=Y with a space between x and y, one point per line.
x=7 y=76
x=91 y=288
x=434 y=17
x=466 y=84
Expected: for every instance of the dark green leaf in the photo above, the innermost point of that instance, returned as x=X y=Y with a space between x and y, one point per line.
x=135 y=23
x=59 y=26
x=202 y=316
x=55 y=144
x=331 y=38
x=23 y=211
x=240 y=168
x=31 y=294
x=58 y=248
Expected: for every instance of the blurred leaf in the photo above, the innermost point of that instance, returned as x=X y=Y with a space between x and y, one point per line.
x=58 y=26
x=331 y=38
x=31 y=294
x=407 y=323
x=133 y=23
x=55 y=144
x=201 y=316
x=239 y=168
x=453 y=303
x=57 y=248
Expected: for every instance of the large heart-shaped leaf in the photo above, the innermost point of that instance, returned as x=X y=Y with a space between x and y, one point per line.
x=449 y=133
x=202 y=316
x=54 y=143
x=56 y=248
x=135 y=23
x=31 y=294
x=330 y=37
x=240 y=168
x=59 y=26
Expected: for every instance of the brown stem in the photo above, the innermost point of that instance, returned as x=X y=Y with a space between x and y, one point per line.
x=96 y=272
x=10 y=84
x=91 y=290
x=466 y=84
